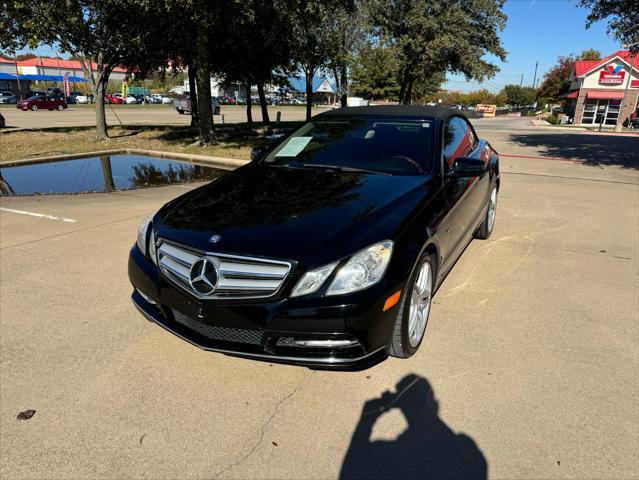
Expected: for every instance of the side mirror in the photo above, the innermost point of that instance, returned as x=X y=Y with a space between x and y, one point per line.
x=469 y=167
x=257 y=153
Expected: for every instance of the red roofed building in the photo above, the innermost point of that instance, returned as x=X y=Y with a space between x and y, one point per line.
x=54 y=66
x=597 y=89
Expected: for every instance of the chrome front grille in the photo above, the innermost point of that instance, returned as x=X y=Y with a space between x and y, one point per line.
x=237 y=277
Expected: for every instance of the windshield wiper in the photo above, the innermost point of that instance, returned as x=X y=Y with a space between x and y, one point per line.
x=345 y=169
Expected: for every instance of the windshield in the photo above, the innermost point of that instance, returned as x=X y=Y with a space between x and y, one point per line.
x=384 y=145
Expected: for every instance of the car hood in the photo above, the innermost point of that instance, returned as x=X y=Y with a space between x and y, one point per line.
x=305 y=215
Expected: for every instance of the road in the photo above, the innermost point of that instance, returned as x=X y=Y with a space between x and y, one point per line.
x=529 y=368
x=83 y=115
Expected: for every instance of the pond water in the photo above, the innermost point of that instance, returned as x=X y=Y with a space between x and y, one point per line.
x=99 y=174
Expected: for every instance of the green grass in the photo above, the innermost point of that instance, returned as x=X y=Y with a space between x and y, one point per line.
x=235 y=140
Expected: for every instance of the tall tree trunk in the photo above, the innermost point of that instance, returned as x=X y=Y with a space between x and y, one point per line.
x=107 y=173
x=192 y=89
x=98 y=81
x=407 y=79
x=338 y=85
x=409 y=92
x=263 y=105
x=203 y=77
x=249 y=105
x=343 y=85
x=309 y=93
x=100 y=113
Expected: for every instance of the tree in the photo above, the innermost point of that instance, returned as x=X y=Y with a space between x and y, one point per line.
x=425 y=85
x=348 y=24
x=623 y=15
x=101 y=34
x=435 y=37
x=313 y=43
x=520 y=96
x=591 y=54
x=374 y=73
x=258 y=50
x=557 y=80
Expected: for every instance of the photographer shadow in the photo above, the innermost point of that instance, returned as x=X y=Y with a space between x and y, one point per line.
x=428 y=448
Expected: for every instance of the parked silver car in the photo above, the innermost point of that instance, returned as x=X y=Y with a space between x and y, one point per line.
x=8 y=97
x=183 y=105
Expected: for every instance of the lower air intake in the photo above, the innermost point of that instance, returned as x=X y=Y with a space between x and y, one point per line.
x=222 y=334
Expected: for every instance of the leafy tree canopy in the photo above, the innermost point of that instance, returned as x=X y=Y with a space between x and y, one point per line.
x=557 y=80
x=374 y=74
x=622 y=16
x=435 y=37
x=520 y=96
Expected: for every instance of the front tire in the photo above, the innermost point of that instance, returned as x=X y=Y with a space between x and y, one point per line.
x=34 y=108
x=486 y=228
x=60 y=108
x=414 y=309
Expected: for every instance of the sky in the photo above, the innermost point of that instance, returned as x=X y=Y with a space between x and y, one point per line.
x=539 y=30
x=536 y=30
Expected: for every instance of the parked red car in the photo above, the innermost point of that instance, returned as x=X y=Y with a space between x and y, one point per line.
x=42 y=102
x=109 y=98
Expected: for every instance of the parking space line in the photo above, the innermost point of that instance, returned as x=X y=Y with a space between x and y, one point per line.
x=40 y=215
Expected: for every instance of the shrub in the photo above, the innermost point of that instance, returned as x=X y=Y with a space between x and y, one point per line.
x=552 y=119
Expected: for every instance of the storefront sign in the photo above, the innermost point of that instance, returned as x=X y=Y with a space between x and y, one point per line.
x=487 y=110
x=612 y=75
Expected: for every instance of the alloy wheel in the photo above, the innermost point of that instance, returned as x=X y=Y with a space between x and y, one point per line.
x=420 y=304
x=492 y=209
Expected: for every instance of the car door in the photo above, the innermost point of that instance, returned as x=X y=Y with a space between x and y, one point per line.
x=459 y=190
x=477 y=192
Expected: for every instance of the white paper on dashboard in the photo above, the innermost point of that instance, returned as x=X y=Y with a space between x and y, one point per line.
x=294 y=146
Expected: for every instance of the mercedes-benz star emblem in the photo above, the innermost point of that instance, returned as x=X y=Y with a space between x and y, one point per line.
x=215 y=238
x=203 y=276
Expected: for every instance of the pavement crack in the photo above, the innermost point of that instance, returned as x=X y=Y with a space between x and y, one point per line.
x=265 y=425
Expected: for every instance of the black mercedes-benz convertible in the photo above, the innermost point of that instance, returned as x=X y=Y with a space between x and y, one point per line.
x=326 y=249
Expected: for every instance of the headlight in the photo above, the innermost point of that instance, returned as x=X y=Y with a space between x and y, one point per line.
x=363 y=269
x=142 y=234
x=313 y=280
x=152 y=253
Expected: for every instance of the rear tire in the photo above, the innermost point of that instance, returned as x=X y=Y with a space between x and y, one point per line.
x=486 y=228
x=60 y=108
x=412 y=319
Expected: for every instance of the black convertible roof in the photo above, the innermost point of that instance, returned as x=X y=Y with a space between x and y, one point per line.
x=421 y=111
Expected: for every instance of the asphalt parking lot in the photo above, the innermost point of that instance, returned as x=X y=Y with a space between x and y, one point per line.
x=83 y=115
x=529 y=368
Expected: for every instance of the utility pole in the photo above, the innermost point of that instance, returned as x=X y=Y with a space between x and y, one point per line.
x=535 y=77
x=15 y=59
x=620 y=119
x=521 y=80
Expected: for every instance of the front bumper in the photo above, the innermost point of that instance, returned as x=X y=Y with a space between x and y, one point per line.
x=268 y=331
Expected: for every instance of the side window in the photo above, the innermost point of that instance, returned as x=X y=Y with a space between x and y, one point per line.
x=454 y=135
x=472 y=139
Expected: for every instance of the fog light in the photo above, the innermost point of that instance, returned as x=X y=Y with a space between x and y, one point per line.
x=146 y=297
x=325 y=343
x=309 y=343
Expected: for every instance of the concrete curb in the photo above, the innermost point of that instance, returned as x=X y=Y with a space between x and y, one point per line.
x=222 y=163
